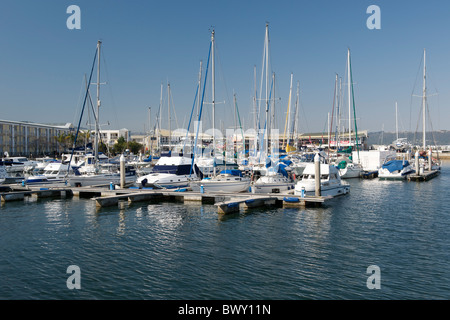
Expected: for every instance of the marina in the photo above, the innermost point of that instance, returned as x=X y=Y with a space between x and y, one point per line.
x=156 y=151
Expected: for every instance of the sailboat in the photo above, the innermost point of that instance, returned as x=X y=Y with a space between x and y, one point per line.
x=170 y=173
x=96 y=176
x=275 y=177
x=276 y=180
x=347 y=167
x=399 y=144
x=228 y=179
x=435 y=163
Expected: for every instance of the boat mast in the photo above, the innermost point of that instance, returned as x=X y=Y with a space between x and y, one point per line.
x=338 y=114
x=349 y=101
x=267 y=87
x=97 y=128
x=159 y=120
x=396 y=120
x=199 y=88
x=256 y=115
x=213 y=91
x=424 y=98
x=272 y=121
x=255 y=124
x=288 y=118
x=168 y=108
x=296 y=114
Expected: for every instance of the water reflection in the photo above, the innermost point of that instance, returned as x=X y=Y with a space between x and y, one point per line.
x=55 y=211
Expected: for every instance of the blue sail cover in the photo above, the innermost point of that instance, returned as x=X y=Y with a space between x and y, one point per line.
x=281 y=168
x=395 y=165
x=233 y=172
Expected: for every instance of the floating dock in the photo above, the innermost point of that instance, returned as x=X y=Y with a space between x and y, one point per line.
x=106 y=197
x=425 y=176
x=16 y=195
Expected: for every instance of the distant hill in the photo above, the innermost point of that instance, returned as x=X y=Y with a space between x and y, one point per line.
x=433 y=138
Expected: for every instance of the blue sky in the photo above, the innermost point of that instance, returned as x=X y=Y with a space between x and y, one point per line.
x=146 y=43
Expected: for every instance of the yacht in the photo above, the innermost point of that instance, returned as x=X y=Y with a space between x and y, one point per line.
x=330 y=181
x=170 y=173
x=16 y=167
x=226 y=181
x=54 y=172
x=395 y=170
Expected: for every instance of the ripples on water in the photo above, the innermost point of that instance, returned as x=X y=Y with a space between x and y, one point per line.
x=177 y=251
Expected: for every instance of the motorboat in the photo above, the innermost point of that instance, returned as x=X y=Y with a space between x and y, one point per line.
x=395 y=170
x=170 y=173
x=54 y=172
x=330 y=181
x=226 y=181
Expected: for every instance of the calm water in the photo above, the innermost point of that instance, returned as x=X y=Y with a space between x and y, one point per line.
x=175 y=251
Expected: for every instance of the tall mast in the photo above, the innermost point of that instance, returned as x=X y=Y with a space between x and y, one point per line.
x=267 y=86
x=349 y=101
x=424 y=98
x=335 y=102
x=255 y=124
x=97 y=127
x=159 y=120
x=150 y=143
x=296 y=112
x=396 y=120
x=271 y=122
x=168 y=108
x=199 y=88
x=213 y=90
x=341 y=103
x=286 y=125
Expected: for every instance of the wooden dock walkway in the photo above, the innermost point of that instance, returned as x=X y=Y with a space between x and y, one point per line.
x=105 y=197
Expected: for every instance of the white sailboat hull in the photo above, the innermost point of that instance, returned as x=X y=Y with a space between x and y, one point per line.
x=100 y=179
x=210 y=185
x=164 y=180
x=270 y=184
x=350 y=172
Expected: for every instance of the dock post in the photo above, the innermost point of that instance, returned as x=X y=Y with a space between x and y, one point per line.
x=122 y=171
x=416 y=161
x=429 y=160
x=317 y=174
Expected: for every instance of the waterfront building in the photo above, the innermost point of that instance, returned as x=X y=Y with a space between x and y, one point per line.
x=22 y=138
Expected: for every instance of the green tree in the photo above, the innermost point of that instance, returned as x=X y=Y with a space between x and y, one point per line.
x=120 y=145
x=135 y=147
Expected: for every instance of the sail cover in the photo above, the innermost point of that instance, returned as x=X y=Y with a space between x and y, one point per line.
x=395 y=165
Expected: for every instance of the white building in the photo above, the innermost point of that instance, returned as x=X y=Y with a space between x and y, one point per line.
x=21 y=138
x=110 y=137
